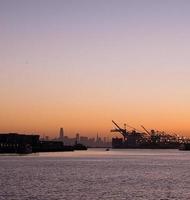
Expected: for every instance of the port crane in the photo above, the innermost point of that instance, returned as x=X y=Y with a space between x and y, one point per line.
x=123 y=131
x=134 y=129
x=146 y=130
x=155 y=137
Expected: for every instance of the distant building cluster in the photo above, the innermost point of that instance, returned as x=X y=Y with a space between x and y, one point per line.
x=89 y=142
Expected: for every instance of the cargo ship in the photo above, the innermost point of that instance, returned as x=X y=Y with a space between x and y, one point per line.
x=143 y=140
x=184 y=147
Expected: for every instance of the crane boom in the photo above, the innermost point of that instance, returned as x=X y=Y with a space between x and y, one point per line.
x=119 y=129
x=117 y=126
x=145 y=130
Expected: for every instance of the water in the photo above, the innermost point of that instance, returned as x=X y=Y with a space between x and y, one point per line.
x=96 y=174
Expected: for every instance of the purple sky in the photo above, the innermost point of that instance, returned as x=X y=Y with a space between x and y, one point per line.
x=79 y=64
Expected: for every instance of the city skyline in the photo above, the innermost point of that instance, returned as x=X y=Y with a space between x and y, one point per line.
x=80 y=64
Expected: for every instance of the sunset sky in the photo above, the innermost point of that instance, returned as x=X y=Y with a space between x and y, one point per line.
x=78 y=64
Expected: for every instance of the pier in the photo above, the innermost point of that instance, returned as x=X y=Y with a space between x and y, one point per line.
x=21 y=143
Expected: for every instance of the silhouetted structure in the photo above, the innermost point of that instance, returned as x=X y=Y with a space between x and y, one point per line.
x=61 y=134
x=84 y=140
x=52 y=146
x=152 y=139
x=20 y=143
x=77 y=138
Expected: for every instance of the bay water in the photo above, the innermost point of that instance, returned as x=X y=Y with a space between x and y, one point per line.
x=96 y=174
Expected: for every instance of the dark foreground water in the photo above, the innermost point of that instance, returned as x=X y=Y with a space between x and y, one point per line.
x=96 y=174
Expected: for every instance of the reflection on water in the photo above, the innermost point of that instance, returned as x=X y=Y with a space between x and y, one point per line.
x=96 y=174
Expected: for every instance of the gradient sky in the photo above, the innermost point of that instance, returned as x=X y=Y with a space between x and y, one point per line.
x=78 y=64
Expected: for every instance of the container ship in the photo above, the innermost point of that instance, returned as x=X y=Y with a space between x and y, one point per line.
x=146 y=140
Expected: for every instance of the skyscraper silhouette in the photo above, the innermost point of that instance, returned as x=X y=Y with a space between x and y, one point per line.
x=61 y=134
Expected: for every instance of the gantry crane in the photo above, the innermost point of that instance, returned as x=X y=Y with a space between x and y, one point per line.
x=146 y=130
x=123 y=131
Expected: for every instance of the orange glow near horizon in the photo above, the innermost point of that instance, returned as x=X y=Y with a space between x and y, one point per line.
x=90 y=119
x=78 y=66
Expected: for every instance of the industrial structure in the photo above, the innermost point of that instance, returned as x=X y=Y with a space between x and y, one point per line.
x=18 y=143
x=146 y=139
x=21 y=143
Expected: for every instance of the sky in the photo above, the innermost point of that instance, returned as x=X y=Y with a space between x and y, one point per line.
x=78 y=64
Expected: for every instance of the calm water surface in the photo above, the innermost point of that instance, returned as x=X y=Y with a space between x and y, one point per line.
x=96 y=174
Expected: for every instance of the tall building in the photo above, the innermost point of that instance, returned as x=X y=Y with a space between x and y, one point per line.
x=77 y=137
x=61 y=134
